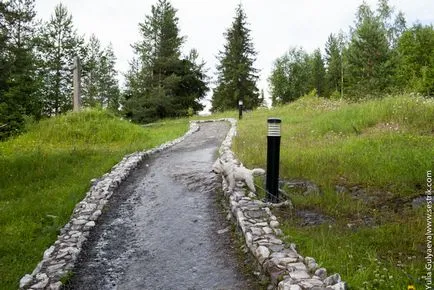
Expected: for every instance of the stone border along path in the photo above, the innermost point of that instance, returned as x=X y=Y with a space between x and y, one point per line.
x=59 y=259
x=259 y=227
x=286 y=269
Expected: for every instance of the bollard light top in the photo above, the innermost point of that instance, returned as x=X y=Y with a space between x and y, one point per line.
x=274 y=120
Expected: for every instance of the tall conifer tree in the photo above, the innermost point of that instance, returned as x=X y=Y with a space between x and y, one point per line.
x=236 y=75
x=160 y=82
x=19 y=82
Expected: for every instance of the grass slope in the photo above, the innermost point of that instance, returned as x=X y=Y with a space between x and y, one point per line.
x=46 y=171
x=383 y=146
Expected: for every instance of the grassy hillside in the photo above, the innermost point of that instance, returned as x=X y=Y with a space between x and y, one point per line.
x=379 y=153
x=381 y=147
x=46 y=171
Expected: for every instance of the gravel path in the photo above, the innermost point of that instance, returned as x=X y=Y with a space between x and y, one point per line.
x=159 y=230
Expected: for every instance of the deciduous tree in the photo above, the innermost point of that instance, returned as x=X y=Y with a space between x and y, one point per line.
x=416 y=60
x=291 y=76
x=318 y=73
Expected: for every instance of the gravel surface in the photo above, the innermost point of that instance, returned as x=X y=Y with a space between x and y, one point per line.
x=163 y=228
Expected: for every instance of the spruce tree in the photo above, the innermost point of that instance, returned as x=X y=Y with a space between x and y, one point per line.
x=368 y=55
x=19 y=82
x=291 y=76
x=160 y=82
x=237 y=77
x=371 y=57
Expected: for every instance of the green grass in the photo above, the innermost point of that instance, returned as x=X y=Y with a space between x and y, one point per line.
x=46 y=171
x=383 y=146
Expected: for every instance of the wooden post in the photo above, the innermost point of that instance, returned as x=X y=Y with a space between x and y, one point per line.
x=77 y=85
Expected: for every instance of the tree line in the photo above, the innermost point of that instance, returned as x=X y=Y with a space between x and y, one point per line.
x=36 y=60
x=36 y=66
x=380 y=55
x=163 y=83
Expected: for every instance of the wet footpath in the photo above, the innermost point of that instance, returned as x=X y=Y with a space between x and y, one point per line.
x=162 y=228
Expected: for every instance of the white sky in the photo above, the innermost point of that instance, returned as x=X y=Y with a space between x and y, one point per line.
x=275 y=25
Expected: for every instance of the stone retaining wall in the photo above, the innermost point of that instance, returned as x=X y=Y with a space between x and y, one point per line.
x=60 y=258
x=286 y=269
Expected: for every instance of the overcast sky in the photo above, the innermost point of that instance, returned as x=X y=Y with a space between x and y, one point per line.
x=275 y=25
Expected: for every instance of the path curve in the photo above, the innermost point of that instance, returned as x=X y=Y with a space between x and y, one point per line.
x=159 y=230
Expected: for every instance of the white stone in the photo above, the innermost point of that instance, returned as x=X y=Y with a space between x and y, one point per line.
x=284 y=285
x=312 y=267
x=71 y=250
x=262 y=253
x=299 y=274
x=274 y=224
x=256 y=231
x=267 y=230
x=61 y=255
x=89 y=225
x=309 y=283
x=276 y=241
x=48 y=252
x=26 y=280
x=89 y=207
x=95 y=215
x=249 y=239
x=287 y=260
x=278 y=255
x=321 y=272
x=54 y=268
x=79 y=222
x=43 y=281
x=332 y=280
x=41 y=276
x=297 y=266
x=338 y=286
